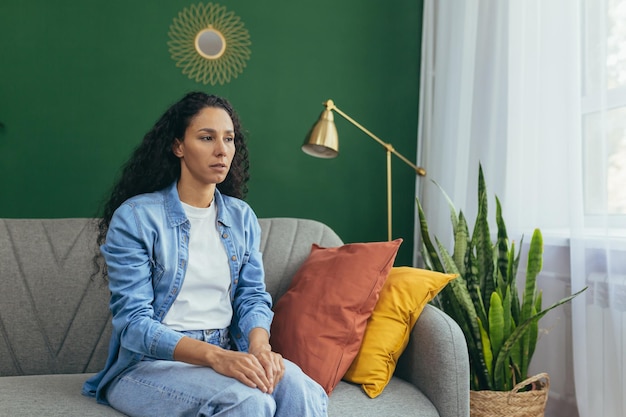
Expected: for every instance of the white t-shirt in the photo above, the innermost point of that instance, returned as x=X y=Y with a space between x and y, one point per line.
x=203 y=302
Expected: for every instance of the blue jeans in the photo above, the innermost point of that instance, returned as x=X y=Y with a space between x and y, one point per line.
x=155 y=388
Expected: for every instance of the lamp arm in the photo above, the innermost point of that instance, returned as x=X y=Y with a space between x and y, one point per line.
x=330 y=105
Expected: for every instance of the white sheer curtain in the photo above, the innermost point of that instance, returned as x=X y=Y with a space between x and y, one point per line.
x=502 y=85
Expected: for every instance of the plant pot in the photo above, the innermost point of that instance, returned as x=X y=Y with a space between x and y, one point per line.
x=513 y=403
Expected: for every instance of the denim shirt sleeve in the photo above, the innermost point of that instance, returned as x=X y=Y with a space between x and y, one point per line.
x=252 y=303
x=127 y=252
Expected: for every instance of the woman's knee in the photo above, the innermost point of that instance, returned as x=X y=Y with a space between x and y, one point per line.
x=294 y=377
x=240 y=400
x=298 y=394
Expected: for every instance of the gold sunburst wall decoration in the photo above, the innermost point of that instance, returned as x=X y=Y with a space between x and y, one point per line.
x=209 y=43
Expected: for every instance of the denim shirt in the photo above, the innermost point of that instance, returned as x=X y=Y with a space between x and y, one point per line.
x=146 y=252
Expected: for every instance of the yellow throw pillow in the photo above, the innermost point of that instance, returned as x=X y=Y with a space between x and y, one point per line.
x=402 y=299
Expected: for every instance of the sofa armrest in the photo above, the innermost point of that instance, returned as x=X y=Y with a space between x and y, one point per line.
x=437 y=363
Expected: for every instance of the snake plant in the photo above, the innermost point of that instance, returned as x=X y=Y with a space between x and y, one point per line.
x=500 y=328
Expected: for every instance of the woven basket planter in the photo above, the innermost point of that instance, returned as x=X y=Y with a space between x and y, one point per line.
x=513 y=403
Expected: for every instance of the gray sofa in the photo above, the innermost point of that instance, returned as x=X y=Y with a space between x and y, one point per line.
x=55 y=325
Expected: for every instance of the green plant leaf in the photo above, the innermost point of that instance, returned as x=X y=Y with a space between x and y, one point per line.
x=478 y=379
x=511 y=365
x=463 y=299
x=524 y=343
x=535 y=263
x=426 y=257
x=487 y=349
x=502 y=244
x=519 y=331
x=496 y=323
x=481 y=242
x=507 y=324
x=513 y=264
x=453 y=216
x=433 y=256
x=473 y=286
x=507 y=329
x=534 y=329
x=461 y=244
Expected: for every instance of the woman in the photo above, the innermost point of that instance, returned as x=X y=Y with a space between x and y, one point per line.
x=186 y=279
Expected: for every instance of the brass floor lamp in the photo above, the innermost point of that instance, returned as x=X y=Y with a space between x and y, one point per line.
x=323 y=142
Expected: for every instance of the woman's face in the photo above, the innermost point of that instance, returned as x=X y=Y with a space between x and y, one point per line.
x=208 y=147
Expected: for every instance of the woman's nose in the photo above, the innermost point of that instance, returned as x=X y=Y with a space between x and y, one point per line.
x=220 y=147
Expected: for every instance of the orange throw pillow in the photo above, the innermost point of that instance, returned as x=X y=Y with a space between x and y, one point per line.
x=319 y=322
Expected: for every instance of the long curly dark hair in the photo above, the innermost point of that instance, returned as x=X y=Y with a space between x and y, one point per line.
x=153 y=166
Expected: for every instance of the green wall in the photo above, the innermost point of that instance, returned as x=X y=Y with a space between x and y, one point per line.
x=81 y=82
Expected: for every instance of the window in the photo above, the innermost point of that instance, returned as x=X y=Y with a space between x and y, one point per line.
x=604 y=107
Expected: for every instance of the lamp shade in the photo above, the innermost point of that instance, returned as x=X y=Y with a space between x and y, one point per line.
x=322 y=141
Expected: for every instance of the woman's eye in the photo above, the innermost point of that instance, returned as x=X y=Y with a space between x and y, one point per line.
x=206 y=138
x=229 y=139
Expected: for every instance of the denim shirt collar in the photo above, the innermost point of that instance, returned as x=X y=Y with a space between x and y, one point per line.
x=176 y=214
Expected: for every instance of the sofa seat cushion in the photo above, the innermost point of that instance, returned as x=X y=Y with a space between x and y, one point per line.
x=399 y=399
x=59 y=396
x=55 y=395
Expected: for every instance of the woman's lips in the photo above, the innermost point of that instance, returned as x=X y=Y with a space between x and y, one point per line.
x=219 y=167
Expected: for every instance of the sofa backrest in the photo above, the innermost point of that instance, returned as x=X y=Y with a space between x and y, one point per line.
x=54 y=315
x=286 y=243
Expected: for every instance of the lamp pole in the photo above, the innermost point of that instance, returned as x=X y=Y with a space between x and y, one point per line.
x=321 y=141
